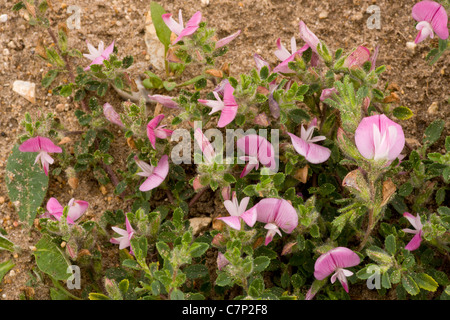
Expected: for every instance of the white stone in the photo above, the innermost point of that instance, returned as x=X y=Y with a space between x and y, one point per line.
x=26 y=89
x=198 y=224
x=155 y=49
x=4 y=18
x=411 y=46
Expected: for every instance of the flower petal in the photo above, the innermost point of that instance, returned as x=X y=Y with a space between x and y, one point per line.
x=158 y=176
x=339 y=257
x=224 y=41
x=166 y=101
x=309 y=37
x=317 y=154
x=357 y=58
x=415 y=242
x=233 y=221
x=174 y=26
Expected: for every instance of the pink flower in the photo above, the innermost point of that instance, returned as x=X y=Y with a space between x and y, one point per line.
x=417 y=224
x=305 y=144
x=277 y=214
x=166 y=101
x=221 y=261
x=379 y=138
x=228 y=106
x=335 y=261
x=44 y=146
x=357 y=58
x=112 y=115
x=260 y=62
x=155 y=131
x=178 y=28
x=76 y=209
x=327 y=93
x=286 y=57
x=126 y=236
x=155 y=175
x=206 y=147
x=258 y=150
x=97 y=56
x=432 y=18
x=310 y=38
x=224 y=41
x=238 y=212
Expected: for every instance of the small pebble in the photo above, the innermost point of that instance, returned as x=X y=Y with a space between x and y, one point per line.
x=433 y=108
x=411 y=46
x=2 y=200
x=4 y=18
x=323 y=15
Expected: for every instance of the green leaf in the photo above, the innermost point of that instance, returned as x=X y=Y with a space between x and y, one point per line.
x=51 y=260
x=127 y=62
x=390 y=245
x=4 y=268
x=433 y=132
x=223 y=279
x=197 y=249
x=5 y=244
x=402 y=113
x=196 y=271
x=298 y=115
x=49 y=77
x=379 y=255
x=162 y=31
x=102 y=89
x=26 y=182
x=139 y=246
x=98 y=296
x=66 y=91
x=260 y=263
x=410 y=285
x=426 y=282
x=169 y=85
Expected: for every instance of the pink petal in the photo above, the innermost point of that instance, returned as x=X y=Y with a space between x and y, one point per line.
x=233 y=221
x=55 y=208
x=162 y=133
x=317 y=154
x=112 y=115
x=158 y=176
x=155 y=121
x=279 y=212
x=309 y=37
x=205 y=145
x=230 y=107
x=425 y=10
x=339 y=257
x=327 y=93
x=107 y=52
x=191 y=26
x=440 y=22
x=38 y=143
x=172 y=24
x=415 y=242
x=76 y=210
x=260 y=62
x=281 y=53
x=357 y=58
x=166 y=101
x=364 y=136
x=151 y=137
x=224 y=41
x=425 y=31
x=250 y=217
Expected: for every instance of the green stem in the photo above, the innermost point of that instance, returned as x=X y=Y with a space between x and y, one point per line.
x=60 y=287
